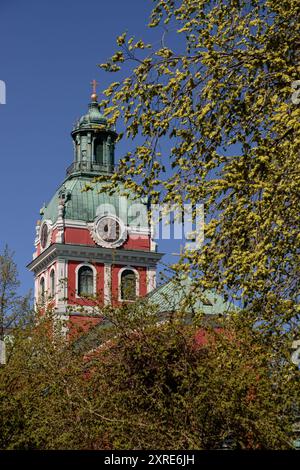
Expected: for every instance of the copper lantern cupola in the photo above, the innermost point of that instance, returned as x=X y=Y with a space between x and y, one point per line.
x=94 y=142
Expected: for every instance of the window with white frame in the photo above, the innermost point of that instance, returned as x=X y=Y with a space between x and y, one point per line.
x=128 y=285
x=85 y=281
x=42 y=290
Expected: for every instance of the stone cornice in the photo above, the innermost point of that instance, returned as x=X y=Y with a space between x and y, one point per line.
x=81 y=253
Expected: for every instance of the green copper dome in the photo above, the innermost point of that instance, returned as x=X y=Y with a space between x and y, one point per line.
x=91 y=118
x=94 y=154
x=84 y=205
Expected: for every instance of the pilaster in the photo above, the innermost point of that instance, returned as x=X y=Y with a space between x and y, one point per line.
x=151 y=279
x=107 y=284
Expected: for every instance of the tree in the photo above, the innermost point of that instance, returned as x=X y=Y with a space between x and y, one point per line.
x=13 y=307
x=219 y=90
x=39 y=388
x=213 y=119
x=144 y=385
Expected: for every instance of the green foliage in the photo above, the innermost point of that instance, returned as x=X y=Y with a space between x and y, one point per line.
x=218 y=92
x=13 y=307
x=146 y=385
x=221 y=95
x=39 y=387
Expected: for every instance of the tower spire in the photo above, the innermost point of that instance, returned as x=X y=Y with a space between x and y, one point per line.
x=94 y=95
x=94 y=141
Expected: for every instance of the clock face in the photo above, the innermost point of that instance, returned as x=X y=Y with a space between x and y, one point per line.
x=44 y=235
x=109 y=231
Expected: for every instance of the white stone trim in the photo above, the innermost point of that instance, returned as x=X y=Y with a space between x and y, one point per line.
x=107 y=284
x=62 y=284
x=60 y=224
x=44 y=277
x=36 y=291
x=153 y=245
x=75 y=223
x=88 y=265
x=137 y=285
x=37 y=233
x=52 y=294
x=77 y=310
x=99 y=241
x=151 y=279
x=82 y=253
x=89 y=226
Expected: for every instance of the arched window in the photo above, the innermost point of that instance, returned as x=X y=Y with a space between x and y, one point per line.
x=98 y=150
x=85 y=281
x=52 y=283
x=128 y=285
x=42 y=290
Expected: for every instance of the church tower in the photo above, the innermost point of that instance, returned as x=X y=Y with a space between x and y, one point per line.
x=92 y=248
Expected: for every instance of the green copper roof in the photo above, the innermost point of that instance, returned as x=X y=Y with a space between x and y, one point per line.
x=91 y=118
x=83 y=205
x=170 y=297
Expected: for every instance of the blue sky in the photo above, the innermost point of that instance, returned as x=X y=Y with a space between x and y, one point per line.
x=49 y=51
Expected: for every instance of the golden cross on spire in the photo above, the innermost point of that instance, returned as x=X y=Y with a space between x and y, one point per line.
x=94 y=84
